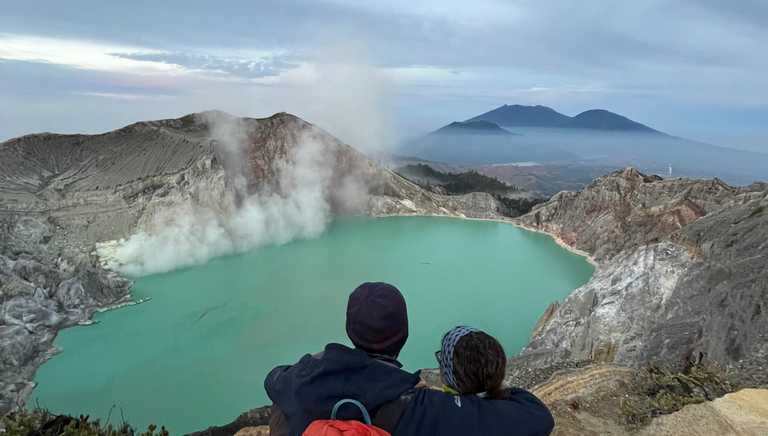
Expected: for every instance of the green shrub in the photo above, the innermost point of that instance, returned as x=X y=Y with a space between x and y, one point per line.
x=661 y=391
x=43 y=423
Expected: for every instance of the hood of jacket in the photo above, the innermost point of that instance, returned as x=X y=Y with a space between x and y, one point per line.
x=308 y=390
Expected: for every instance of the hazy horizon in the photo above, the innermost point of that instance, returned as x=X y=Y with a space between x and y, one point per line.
x=374 y=74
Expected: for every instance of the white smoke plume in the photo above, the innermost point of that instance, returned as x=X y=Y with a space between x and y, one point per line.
x=192 y=234
x=351 y=99
x=338 y=90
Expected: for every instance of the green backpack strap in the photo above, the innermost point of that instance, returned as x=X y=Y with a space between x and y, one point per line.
x=359 y=405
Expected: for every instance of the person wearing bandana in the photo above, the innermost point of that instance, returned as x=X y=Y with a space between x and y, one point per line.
x=473 y=400
x=369 y=372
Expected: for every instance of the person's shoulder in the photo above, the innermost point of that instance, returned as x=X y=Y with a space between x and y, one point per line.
x=335 y=350
x=511 y=391
x=519 y=394
x=422 y=396
x=330 y=351
x=333 y=358
x=434 y=397
x=523 y=405
x=283 y=379
x=305 y=362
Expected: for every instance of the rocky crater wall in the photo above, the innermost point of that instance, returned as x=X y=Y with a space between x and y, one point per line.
x=681 y=274
x=62 y=194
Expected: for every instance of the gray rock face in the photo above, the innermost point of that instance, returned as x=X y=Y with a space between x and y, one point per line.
x=101 y=187
x=627 y=209
x=61 y=194
x=609 y=318
x=681 y=274
x=41 y=292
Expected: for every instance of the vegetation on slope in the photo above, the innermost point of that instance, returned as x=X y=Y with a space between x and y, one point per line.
x=454 y=183
x=41 y=422
x=514 y=200
x=661 y=391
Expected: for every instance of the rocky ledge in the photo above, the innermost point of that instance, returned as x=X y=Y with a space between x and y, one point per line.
x=602 y=399
x=681 y=275
x=43 y=290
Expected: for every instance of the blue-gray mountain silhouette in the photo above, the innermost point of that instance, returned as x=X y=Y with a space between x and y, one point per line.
x=601 y=119
x=473 y=127
x=528 y=116
x=595 y=137
x=542 y=116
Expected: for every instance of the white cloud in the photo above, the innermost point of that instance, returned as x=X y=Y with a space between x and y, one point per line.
x=123 y=96
x=426 y=74
x=474 y=14
x=143 y=61
x=225 y=63
x=82 y=54
x=437 y=59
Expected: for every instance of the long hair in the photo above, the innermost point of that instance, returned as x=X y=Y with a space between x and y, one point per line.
x=479 y=365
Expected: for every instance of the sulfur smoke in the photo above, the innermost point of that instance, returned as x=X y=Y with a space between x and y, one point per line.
x=296 y=206
x=339 y=91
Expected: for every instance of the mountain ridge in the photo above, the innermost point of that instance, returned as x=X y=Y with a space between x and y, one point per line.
x=521 y=115
x=543 y=116
x=596 y=138
x=472 y=127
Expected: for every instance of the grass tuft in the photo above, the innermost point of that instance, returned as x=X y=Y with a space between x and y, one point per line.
x=664 y=392
x=40 y=422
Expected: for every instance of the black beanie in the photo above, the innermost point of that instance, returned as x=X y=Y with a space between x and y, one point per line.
x=377 y=319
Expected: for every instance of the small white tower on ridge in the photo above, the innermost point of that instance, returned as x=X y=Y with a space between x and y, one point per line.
x=670 y=170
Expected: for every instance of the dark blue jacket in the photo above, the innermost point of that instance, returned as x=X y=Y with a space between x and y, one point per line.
x=432 y=412
x=308 y=390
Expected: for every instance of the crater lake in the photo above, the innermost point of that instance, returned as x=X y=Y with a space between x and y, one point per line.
x=196 y=354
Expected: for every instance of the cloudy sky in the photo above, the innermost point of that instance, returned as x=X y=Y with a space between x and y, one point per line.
x=376 y=71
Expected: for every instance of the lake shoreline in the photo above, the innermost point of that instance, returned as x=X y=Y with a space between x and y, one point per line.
x=513 y=221
x=50 y=350
x=493 y=243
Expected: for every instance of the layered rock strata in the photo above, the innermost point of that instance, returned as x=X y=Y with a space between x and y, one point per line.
x=681 y=274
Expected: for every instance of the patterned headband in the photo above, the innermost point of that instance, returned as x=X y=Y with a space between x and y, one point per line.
x=446 y=358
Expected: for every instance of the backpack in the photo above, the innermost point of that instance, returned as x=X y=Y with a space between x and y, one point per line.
x=335 y=427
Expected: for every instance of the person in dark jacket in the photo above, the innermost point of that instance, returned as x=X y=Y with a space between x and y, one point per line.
x=472 y=367
x=377 y=324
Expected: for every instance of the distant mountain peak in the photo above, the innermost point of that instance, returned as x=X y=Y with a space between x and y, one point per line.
x=472 y=127
x=519 y=115
x=544 y=116
x=528 y=107
x=601 y=119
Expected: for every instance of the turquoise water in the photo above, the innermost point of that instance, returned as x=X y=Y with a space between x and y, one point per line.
x=197 y=354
